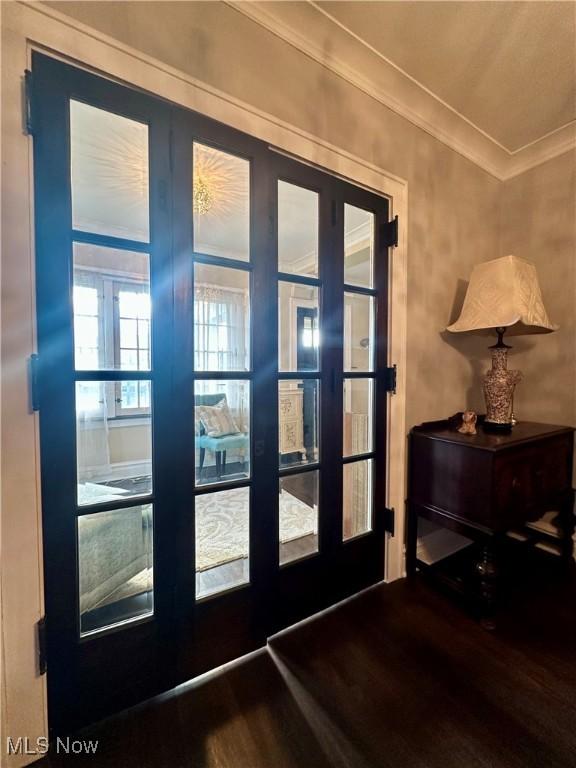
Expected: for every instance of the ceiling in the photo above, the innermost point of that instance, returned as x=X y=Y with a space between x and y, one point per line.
x=508 y=67
x=492 y=79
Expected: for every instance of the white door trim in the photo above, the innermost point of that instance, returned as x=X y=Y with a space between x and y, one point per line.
x=26 y=27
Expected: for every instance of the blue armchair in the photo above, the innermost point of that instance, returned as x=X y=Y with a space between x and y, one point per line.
x=218 y=445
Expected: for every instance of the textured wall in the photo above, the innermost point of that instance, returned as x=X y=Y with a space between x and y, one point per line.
x=453 y=205
x=539 y=224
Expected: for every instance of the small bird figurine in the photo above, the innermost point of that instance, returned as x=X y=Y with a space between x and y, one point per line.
x=468 y=423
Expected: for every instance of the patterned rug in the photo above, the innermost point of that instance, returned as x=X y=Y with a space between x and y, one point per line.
x=222 y=533
x=222 y=526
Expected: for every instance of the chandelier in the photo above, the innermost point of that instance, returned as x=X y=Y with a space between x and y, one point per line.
x=203 y=198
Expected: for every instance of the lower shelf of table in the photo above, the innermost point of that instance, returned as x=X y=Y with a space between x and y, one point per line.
x=520 y=568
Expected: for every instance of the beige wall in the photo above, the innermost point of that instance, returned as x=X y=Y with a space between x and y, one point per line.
x=453 y=205
x=23 y=699
x=130 y=444
x=539 y=224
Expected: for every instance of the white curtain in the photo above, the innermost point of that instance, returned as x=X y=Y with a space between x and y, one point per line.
x=93 y=447
x=221 y=343
x=221 y=329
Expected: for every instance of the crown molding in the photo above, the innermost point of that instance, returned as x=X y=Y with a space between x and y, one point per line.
x=307 y=27
x=547 y=148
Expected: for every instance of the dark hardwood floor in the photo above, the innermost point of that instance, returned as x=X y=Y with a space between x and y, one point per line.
x=398 y=676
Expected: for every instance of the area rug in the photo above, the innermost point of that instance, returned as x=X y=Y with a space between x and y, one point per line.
x=222 y=526
x=222 y=533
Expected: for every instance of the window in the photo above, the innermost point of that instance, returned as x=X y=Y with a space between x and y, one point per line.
x=112 y=330
x=310 y=333
x=86 y=330
x=132 y=346
x=133 y=327
x=220 y=329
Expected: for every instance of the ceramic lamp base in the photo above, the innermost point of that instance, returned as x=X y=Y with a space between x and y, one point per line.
x=499 y=385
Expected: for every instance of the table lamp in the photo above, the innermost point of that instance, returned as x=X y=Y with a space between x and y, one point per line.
x=504 y=295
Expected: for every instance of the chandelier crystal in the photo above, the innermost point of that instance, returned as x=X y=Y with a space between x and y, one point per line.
x=203 y=198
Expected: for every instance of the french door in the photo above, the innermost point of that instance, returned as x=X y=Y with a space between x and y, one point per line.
x=212 y=324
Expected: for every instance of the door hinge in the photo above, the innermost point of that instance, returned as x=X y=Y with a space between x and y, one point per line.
x=34 y=381
x=28 y=111
x=390 y=233
x=41 y=640
x=389 y=515
x=390 y=379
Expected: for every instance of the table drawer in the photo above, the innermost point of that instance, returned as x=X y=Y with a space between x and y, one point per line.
x=529 y=478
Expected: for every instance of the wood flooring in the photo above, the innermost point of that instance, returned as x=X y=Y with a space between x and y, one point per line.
x=400 y=676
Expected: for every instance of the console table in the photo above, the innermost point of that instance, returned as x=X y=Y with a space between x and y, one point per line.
x=485 y=485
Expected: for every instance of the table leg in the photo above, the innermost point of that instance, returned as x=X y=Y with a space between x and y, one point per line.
x=487 y=570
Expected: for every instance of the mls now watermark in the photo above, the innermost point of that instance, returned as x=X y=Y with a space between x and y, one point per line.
x=67 y=746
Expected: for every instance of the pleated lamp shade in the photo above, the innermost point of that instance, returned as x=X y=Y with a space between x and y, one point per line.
x=504 y=293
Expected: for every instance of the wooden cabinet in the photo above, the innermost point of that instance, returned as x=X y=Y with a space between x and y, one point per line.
x=291 y=421
x=487 y=484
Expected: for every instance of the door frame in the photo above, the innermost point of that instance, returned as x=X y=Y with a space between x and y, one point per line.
x=175 y=642
x=28 y=28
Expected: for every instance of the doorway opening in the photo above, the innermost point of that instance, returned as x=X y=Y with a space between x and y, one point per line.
x=212 y=333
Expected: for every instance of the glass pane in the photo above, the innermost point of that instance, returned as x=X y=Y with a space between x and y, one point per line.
x=298 y=327
x=358 y=332
x=222 y=540
x=109 y=170
x=115 y=567
x=114 y=453
x=111 y=298
x=128 y=333
x=297 y=230
x=357 y=506
x=222 y=428
x=358 y=246
x=129 y=359
x=298 y=409
x=298 y=515
x=358 y=416
x=221 y=203
x=221 y=319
